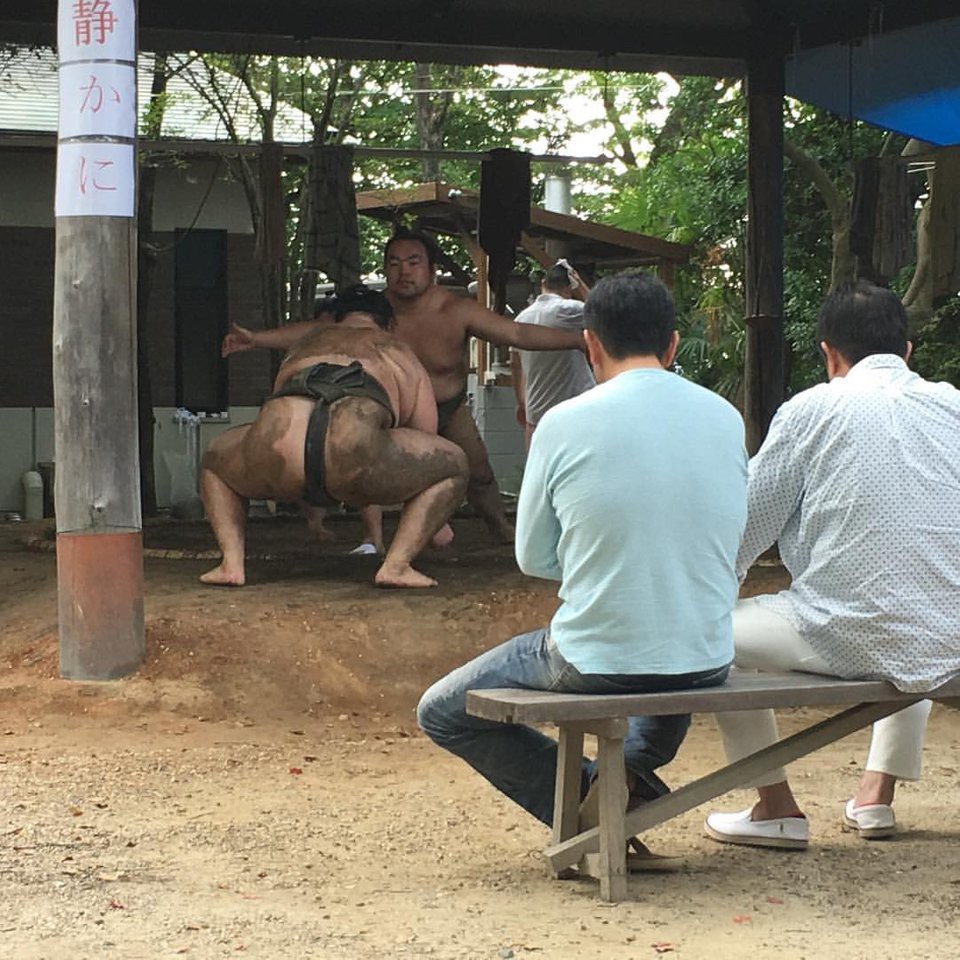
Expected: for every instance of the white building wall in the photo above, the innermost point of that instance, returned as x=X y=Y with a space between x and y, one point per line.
x=29 y=439
x=197 y=192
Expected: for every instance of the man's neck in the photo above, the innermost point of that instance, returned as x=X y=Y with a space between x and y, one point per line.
x=404 y=305
x=613 y=368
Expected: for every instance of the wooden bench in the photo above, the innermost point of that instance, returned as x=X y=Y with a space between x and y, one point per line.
x=601 y=851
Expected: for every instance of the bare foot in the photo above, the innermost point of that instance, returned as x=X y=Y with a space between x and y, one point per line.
x=402 y=576
x=503 y=533
x=223 y=576
x=442 y=538
x=875 y=788
x=320 y=530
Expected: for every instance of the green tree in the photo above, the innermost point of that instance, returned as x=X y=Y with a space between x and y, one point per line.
x=692 y=189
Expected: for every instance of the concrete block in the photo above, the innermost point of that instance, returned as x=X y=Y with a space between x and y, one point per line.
x=504 y=443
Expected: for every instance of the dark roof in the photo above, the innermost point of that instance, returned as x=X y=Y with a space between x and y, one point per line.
x=685 y=36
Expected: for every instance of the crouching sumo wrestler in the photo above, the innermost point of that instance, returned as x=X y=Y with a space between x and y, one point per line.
x=352 y=419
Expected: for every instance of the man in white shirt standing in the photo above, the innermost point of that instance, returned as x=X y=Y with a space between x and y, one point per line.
x=859 y=483
x=543 y=379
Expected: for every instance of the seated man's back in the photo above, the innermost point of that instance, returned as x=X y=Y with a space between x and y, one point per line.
x=634 y=498
x=874 y=456
x=858 y=481
x=645 y=477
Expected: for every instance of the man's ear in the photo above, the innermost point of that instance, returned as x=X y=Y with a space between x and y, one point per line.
x=836 y=365
x=594 y=350
x=668 y=355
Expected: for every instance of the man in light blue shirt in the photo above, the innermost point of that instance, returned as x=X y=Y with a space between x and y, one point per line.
x=634 y=499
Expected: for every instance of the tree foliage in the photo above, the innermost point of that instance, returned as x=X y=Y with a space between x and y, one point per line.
x=680 y=172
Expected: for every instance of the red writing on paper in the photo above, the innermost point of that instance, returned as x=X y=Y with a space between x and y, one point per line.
x=93 y=96
x=96 y=179
x=92 y=21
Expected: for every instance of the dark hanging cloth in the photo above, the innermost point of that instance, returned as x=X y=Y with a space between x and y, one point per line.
x=504 y=215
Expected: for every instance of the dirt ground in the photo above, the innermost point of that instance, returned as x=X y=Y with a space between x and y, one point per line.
x=259 y=788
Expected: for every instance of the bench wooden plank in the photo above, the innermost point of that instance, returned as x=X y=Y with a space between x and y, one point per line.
x=743 y=691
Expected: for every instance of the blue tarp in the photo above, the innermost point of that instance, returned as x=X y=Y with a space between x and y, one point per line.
x=907 y=81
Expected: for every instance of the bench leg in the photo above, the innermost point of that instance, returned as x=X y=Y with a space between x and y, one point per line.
x=566 y=798
x=726 y=778
x=613 y=851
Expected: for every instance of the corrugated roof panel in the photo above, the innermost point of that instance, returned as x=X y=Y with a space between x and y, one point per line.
x=29 y=97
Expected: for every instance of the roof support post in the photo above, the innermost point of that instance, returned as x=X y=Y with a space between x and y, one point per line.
x=764 y=359
x=99 y=539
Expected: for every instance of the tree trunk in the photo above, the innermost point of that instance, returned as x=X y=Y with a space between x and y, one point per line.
x=842 y=266
x=620 y=132
x=431 y=113
x=332 y=240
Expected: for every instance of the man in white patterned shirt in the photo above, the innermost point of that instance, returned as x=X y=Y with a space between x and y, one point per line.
x=859 y=483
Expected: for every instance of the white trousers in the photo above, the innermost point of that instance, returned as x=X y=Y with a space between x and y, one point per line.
x=765 y=641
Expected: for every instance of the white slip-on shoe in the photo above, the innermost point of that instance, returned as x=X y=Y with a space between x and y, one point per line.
x=364 y=550
x=874 y=821
x=787 y=833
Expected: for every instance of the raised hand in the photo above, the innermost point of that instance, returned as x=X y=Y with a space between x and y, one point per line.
x=237 y=340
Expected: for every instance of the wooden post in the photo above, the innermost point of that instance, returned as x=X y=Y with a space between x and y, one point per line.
x=480 y=263
x=665 y=268
x=483 y=298
x=763 y=362
x=99 y=541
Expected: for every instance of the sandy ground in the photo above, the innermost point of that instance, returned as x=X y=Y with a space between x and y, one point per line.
x=259 y=789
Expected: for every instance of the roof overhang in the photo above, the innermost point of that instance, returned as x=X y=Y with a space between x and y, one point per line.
x=682 y=36
x=905 y=49
x=444 y=209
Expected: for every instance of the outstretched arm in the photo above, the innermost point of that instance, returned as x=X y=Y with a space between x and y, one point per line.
x=490 y=326
x=279 y=338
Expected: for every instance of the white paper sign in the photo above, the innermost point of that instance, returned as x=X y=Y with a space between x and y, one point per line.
x=96 y=30
x=98 y=99
x=95 y=180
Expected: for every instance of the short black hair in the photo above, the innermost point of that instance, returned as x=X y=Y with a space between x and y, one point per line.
x=859 y=319
x=557 y=277
x=632 y=315
x=418 y=236
x=361 y=299
x=324 y=305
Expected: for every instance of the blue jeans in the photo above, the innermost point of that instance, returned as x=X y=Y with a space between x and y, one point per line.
x=521 y=762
